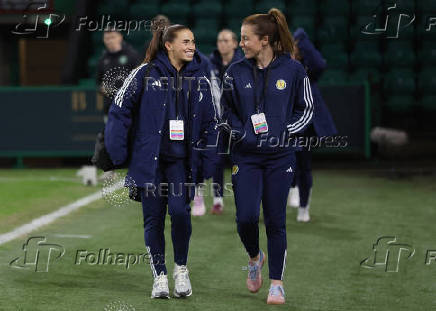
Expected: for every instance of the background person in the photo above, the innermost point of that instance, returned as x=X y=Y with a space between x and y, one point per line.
x=322 y=122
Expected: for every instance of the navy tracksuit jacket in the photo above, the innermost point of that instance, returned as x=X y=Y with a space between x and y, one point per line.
x=262 y=165
x=323 y=124
x=143 y=108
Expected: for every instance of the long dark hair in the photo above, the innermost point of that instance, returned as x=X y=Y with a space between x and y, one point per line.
x=274 y=26
x=160 y=36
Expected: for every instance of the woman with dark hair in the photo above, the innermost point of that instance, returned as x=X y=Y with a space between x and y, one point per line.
x=270 y=101
x=165 y=109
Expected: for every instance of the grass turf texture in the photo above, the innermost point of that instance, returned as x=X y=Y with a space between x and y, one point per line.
x=350 y=210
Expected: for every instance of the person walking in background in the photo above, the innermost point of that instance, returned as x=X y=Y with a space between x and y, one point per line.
x=322 y=125
x=270 y=98
x=117 y=56
x=172 y=112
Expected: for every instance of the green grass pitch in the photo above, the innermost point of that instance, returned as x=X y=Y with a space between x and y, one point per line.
x=349 y=209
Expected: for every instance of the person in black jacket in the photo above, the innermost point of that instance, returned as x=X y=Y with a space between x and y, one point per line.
x=118 y=59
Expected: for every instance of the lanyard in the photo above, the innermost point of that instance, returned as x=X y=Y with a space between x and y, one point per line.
x=177 y=95
x=265 y=86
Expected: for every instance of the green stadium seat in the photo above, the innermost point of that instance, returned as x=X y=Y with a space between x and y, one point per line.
x=366 y=7
x=234 y=24
x=238 y=9
x=207 y=9
x=333 y=76
x=400 y=81
x=426 y=5
x=370 y=74
x=176 y=10
x=405 y=6
x=302 y=7
x=206 y=49
x=357 y=29
x=427 y=54
x=335 y=8
x=335 y=55
x=142 y=11
x=209 y=23
x=399 y=54
x=333 y=29
x=427 y=81
x=265 y=5
x=366 y=54
x=118 y=8
x=138 y=38
x=428 y=103
x=204 y=35
x=305 y=22
x=400 y=103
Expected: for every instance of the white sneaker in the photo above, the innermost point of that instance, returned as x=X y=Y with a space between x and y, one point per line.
x=294 y=197
x=303 y=214
x=160 y=287
x=182 y=285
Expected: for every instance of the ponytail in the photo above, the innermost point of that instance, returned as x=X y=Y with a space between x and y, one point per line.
x=155 y=45
x=286 y=41
x=274 y=26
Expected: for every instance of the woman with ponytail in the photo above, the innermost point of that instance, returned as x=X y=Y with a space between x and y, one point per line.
x=269 y=102
x=161 y=112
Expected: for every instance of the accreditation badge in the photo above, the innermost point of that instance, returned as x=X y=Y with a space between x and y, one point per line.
x=177 y=130
x=259 y=123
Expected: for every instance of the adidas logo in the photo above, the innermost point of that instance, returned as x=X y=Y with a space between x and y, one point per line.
x=289 y=170
x=248 y=86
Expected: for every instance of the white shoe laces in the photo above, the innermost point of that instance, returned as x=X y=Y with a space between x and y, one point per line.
x=181 y=275
x=161 y=281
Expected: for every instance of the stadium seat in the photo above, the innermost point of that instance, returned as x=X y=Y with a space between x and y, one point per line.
x=333 y=29
x=138 y=39
x=305 y=22
x=400 y=81
x=333 y=76
x=371 y=74
x=302 y=7
x=92 y=64
x=428 y=103
x=238 y=9
x=207 y=9
x=118 y=8
x=176 y=10
x=366 y=54
x=265 y=5
x=206 y=49
x=399 y=54
x=427 y=54
x=427 y=81
x=144 y=10
x=426 y=5
x=335 y=8
x=400 y=103
x=335 y=55
x=234 y=24
x=366 y=7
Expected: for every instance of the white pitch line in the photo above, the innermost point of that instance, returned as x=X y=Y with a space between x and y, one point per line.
x=49 y=218
x=73 y=236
